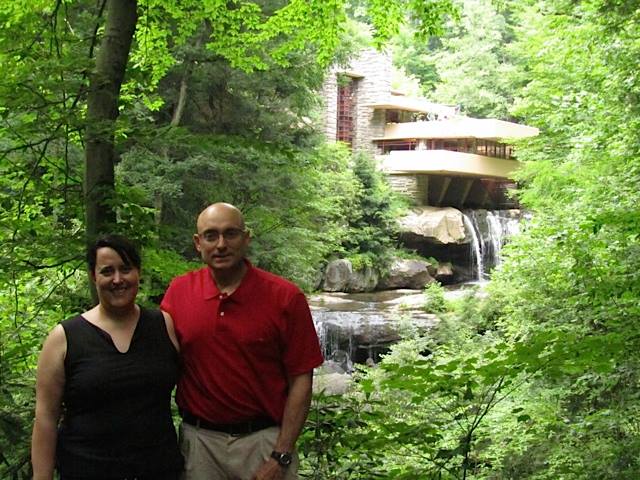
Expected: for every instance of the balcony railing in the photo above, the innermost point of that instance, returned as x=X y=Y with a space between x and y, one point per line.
x=487 y=148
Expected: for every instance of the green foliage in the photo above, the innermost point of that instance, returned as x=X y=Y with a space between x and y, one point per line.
x=469 y=64
x=538 y=377
x=295 y=200
x=40 y=197
x=537 y=380
x=160 y=266
x=473 y=64
x=574 y=275
x=333 y=445
x=47 y=50
x=29 y=306
x=416 y=58
x=428 y=405
x=434 y=301
x=372 y=227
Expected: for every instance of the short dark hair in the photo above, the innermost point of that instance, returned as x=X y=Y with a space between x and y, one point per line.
x=122 y=245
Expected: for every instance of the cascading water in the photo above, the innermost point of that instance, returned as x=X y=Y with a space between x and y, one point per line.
x=361 y=327
x=474 y=245
x=496 y=237
x=502 y=224
x=353 y=328
x=336 y=330
x=488 y=231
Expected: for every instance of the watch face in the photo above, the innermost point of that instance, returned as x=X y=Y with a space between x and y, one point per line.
x=283 y=458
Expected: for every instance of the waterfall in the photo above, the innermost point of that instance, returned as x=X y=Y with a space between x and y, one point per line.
x=501 y=224
x=488 y=231
x=470 y=224
x=336 y=331
x=360 y=327
x=496 y=235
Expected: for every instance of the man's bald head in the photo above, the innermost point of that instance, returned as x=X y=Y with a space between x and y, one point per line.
x=220 y=211
x=222 y=239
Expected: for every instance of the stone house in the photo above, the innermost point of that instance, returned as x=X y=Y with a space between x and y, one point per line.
x=429 y=151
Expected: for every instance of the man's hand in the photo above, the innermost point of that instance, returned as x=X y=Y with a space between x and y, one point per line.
x=270 y=470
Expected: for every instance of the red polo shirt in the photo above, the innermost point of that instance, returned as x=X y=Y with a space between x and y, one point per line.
x=238 y=349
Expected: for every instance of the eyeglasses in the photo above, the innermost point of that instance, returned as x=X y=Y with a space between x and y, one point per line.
x=229 y=235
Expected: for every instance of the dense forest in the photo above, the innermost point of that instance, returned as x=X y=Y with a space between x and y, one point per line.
x=131 y=116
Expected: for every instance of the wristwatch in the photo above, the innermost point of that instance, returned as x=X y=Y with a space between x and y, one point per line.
x=283 y=458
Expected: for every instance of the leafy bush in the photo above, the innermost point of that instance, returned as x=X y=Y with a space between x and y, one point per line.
x=434 y=301
x=372 y=217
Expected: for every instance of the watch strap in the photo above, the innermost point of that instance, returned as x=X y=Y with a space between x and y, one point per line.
x=283 y=458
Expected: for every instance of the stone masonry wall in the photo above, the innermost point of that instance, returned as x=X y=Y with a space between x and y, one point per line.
x=416 y=187
x=407 y=185
x=374 y=86
x=330 y=96
x=371 y=72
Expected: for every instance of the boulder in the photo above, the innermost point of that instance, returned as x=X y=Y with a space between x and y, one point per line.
x=331 y=383
x=364 y=280
x=333 y=376
x=437 y=225
x=444 y=273
x=405 y=273
x=339 y=362
x=339 y=276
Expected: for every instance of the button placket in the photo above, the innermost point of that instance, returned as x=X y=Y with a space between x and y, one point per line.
x=223 y=297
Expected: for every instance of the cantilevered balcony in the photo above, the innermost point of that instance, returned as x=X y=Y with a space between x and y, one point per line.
x=444 y=162
x=459 y=127
x=460 y=161
x=455 y=147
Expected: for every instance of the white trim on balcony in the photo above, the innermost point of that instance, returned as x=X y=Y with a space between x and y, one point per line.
x=412 y=104
x=460 y=127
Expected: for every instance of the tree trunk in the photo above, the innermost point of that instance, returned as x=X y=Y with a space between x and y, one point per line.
x=182 y=99
x=102 y=112
x=184 y=84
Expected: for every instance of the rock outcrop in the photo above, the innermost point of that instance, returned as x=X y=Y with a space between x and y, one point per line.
x=466 y=245
x=442 y=226
x=404 y=273
x=440 y=233
x=340 y=276
x=444 y=273
x=337 y=275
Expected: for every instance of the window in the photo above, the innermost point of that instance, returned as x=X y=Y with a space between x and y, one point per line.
x=392 y=116
x=387 y=146
x=344 y=126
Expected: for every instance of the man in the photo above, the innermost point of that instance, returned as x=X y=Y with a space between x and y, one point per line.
x=249 y=348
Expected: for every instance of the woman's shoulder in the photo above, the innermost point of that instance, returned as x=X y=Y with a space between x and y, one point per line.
x=152 y=318
x=72 y=322
x=151 y=314
x=161 y=322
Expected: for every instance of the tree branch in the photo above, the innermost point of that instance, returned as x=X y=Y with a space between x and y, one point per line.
x=53 y=265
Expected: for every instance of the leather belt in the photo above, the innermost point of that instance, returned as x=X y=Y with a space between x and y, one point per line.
x=235 y=429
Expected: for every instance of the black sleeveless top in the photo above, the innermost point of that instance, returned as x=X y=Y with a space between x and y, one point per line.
x=117 y=406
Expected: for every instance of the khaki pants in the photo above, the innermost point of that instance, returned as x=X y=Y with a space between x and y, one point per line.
x=212 y=455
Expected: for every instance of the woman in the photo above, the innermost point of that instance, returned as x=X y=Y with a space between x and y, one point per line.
x=108 y=374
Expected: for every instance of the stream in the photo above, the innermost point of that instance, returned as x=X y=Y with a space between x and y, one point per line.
x=360 y=327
